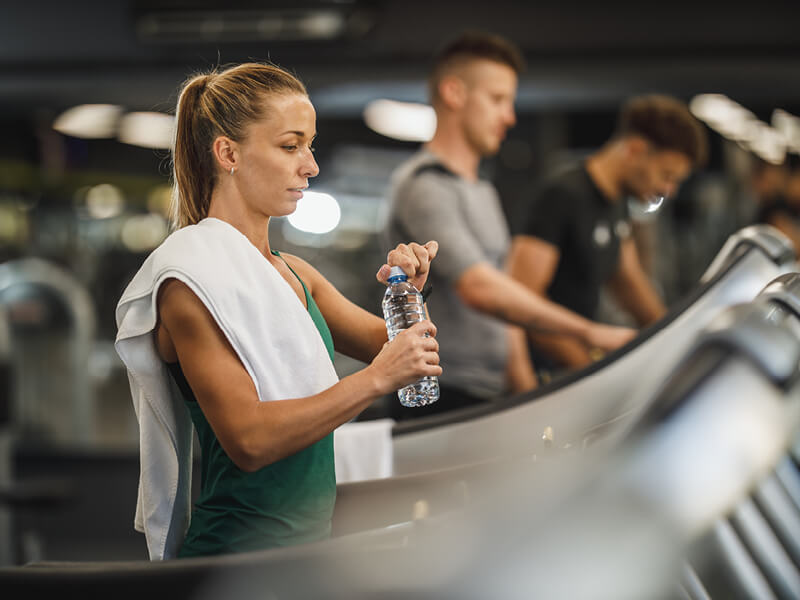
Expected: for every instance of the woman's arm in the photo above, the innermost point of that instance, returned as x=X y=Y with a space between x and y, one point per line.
x=357 y=332
x=254 y=433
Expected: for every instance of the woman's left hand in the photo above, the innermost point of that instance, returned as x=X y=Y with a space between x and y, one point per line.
x=413 y=258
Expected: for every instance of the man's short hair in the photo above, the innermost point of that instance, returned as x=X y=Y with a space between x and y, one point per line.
x=666 y=123
x=472 y=45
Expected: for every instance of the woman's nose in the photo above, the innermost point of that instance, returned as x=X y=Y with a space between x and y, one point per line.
x=310 y=168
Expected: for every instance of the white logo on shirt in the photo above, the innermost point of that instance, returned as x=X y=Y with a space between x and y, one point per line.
x=602 y=234
x=622 y=229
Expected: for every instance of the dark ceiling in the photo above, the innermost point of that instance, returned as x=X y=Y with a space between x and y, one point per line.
x=55 y=54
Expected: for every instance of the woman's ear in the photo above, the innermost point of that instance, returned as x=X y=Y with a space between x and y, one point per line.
x=226 y=153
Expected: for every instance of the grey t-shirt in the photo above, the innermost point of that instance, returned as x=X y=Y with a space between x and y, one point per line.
x=428 y=202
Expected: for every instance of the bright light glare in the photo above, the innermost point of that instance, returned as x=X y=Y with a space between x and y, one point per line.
x=723 y=114
x=653 y=204
x=316 y=213
x=405 y=121
x=141 y=233
x=736 y=123
x=768 y=143
x=147 y=129
x=104 y=201
x=706 y=107
x=322 y=24
x=789 y=126
x=89 y=121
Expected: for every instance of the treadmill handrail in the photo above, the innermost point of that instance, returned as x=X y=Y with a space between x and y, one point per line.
x=751 y=238
x=766 y=238
x=747 y=330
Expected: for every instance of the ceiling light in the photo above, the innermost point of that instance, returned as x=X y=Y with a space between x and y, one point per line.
x=147 y=129
x=736 y=123
x=406 y=121
x=789 y=126
x=241 y=25
x=89 y=121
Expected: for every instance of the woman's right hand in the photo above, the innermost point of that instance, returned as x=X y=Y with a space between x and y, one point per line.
x=409 y=357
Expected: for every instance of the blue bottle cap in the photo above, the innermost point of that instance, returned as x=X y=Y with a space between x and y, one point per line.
x=397 y=274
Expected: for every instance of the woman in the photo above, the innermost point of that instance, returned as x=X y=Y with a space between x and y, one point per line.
x=242 y=336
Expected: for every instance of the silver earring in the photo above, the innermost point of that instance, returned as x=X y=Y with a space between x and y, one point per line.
x=232 y=170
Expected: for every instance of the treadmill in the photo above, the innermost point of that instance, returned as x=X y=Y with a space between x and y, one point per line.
x=694 y=501
x=581 y=405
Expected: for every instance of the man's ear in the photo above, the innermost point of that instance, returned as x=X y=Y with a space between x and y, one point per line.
x=452 y=91
x=636 y=146
x=226 y=153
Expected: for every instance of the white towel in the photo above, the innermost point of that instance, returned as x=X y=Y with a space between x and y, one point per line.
x=262 y=318
x=363 y=450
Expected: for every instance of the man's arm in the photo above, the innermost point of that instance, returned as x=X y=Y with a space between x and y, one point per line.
x=565 y=350
x=489 y=290
x=787 y=226
x=632 y=288
x=429 y=207
x=533 y=262
x=520 y=374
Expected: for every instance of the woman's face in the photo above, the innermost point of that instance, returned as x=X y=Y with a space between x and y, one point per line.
x=276 y=156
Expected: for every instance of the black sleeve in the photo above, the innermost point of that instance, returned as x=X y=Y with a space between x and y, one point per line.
x=767 y=214
x=551 y=208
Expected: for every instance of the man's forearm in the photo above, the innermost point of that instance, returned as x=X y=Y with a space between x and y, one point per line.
x=520 y=373
x=637 y=296
x=566 y=351
x=493 y=292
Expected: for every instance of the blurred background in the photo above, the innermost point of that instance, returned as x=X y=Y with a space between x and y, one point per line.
x=86 y=90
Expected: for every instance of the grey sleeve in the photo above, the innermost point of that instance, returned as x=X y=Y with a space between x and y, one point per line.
x=427 y=207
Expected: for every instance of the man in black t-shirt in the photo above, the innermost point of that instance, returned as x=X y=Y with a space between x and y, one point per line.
x=776 y=191
x=578 y=235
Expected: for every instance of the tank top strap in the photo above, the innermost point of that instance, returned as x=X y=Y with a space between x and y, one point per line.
x=313 y=311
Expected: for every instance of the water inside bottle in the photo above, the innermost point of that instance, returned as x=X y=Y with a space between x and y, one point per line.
x=402 y=307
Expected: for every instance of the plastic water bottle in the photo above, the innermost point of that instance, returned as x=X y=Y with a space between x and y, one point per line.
x=402 y=307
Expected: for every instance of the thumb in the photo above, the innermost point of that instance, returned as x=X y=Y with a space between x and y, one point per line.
x=383 y=274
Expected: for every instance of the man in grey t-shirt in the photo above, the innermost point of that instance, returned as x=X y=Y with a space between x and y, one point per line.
x=480 y=312
x=466 y=219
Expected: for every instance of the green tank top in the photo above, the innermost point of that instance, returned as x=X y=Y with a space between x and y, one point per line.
x=285 y=503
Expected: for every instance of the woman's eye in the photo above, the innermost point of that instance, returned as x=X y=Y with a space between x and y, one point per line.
x=289 y=148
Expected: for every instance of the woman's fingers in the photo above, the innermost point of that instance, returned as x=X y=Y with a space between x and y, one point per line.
x=431 y=358
x=424 y=327
x=401 y=257
x=433 y=249
x=415 y=260
x=421 y=257
x=413 y=354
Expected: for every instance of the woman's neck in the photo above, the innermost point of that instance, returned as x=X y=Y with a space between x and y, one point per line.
x=254 y=227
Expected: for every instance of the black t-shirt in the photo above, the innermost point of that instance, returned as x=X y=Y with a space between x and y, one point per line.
x=569 y=212
x=774 y=207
